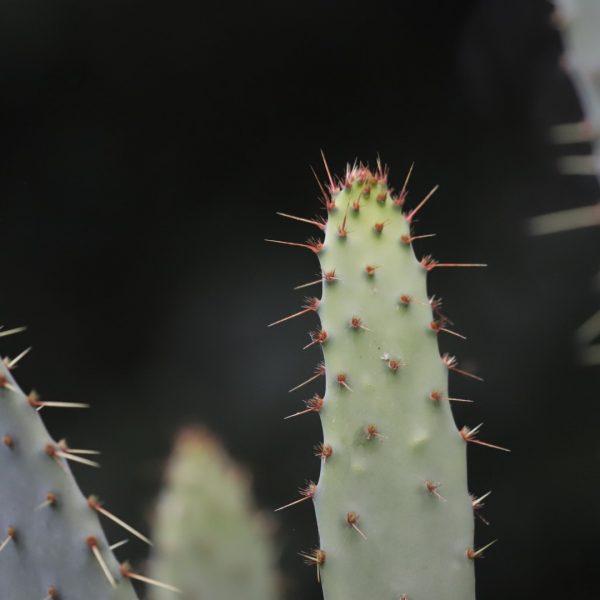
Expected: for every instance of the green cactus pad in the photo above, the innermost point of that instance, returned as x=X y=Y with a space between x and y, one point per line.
x=47 y=525
x=394 y=515
x=208 y=537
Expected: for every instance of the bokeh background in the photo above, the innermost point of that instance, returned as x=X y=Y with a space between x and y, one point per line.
x=144 y=149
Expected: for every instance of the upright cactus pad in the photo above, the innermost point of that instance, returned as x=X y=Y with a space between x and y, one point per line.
x=208 y=537
x=394 y=515
x=52 y=545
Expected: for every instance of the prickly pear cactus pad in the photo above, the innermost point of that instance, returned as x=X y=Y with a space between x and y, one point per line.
x=208 y=537
x=53 y=544
x=394 y=514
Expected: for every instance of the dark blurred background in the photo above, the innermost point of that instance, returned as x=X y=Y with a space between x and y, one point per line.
x=144 y=149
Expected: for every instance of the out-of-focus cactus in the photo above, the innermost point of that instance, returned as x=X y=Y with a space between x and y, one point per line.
x=208 y=537
x=579 y=22
x=52 y=545
x=394 y=514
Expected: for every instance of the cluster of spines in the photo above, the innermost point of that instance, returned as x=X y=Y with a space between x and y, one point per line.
x=363 y=177
x=61 y=454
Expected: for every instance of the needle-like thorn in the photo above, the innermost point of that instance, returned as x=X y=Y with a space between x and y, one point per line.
x=126 y=572
x=411 y=215
x=94 y=504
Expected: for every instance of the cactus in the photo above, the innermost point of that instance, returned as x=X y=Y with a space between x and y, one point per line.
x=578 y=21
x=394 y=515
x=53 y=546
x=207 y=537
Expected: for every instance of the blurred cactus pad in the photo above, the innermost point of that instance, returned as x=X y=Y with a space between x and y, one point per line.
x=208 y=537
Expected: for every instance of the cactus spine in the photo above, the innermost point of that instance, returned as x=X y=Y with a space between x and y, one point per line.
x=394 y=515
x=207 y=537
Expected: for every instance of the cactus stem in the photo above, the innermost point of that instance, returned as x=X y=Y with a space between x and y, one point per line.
x=452 y=365
x=11 y=363
x=306 y=493
x=352 y=520
x=319 y=372
x=409 y=239
x=432 y=488
x=313 y=245
x=50 y=500
x=317 y=337
x=473 y=554
x=470 y=435
x=321 y=224
x=95 y=505
x=12 y=331
x=126 y=572
x=11 y=534
x=327 y=277
x=315 y=558
x=35 y=402
x=92 y=543
x=411 y=215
